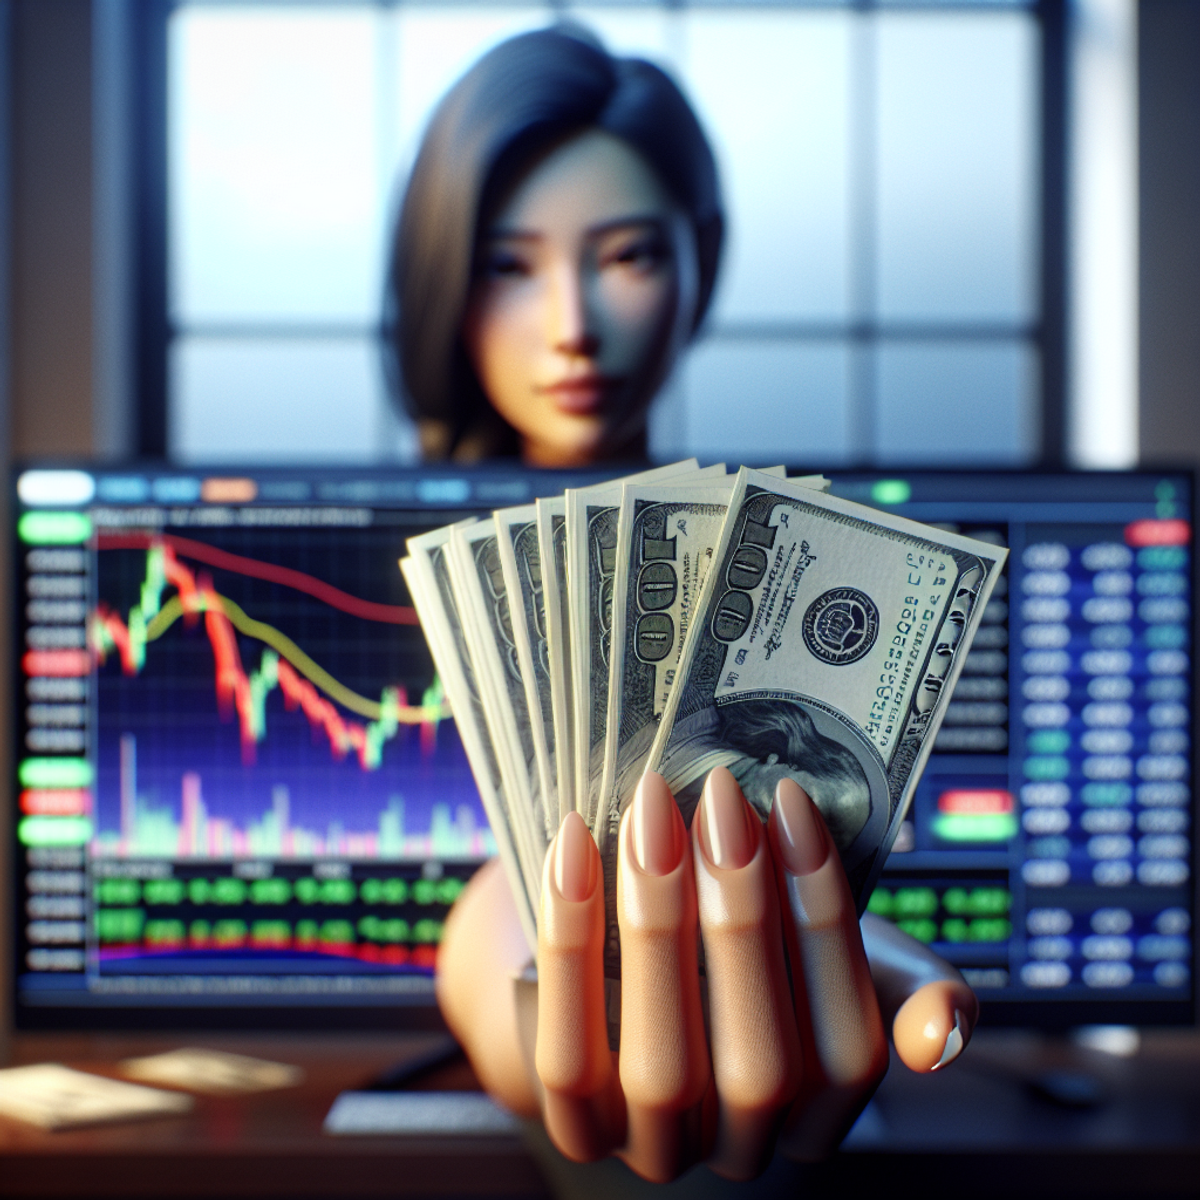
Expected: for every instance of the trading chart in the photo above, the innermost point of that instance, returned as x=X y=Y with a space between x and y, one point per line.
x=240 y=774
x=301 y=724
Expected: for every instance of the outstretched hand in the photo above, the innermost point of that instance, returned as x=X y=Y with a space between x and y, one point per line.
x=807 y=1055
x=794 y=1042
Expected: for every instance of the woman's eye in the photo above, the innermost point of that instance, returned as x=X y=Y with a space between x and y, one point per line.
x=502 y=265
x=644 y=254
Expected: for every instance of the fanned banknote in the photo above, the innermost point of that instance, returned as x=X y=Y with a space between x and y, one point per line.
x=552 y=549
x=520 y=560
x=666 y=537
x=426 y=572
x=483 y=608
x=825 y=647
x=591 y=528
x=665 y=540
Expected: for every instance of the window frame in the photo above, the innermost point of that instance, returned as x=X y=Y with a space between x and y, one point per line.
x=153 y=330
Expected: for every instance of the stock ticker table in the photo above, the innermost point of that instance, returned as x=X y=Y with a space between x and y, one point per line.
x=1021 y=1115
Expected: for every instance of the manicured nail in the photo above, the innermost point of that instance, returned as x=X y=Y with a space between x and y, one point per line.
x=575 y=859
x=799 y=832
x=656 y=827
x=954 y=1043
x=725 y=833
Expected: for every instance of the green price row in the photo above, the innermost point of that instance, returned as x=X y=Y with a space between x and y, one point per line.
x=981 y=930
x=924 y=902
x=277 y=890
x=125 y=926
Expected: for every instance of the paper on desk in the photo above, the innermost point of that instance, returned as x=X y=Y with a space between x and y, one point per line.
x=55 y=1097
x=419 y=1114
x=213 y=1071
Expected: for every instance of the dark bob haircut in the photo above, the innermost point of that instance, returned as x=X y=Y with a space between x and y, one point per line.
x=520 y=98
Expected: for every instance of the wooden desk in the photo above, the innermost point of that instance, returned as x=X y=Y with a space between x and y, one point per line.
x=264 y=1144
x=977 y=1132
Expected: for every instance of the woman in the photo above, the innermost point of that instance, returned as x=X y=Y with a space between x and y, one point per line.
x=449 y=280
x=556 y=250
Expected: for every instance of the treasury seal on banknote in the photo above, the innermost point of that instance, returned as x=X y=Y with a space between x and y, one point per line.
x=841 y=626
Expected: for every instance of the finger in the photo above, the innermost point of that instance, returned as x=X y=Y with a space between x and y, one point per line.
x=755 y=1046
x=664 y=1065
x=836 y=1008
x=582 y=1100
x=932 y=1009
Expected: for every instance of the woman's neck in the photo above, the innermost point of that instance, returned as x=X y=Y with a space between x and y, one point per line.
x=538 y=454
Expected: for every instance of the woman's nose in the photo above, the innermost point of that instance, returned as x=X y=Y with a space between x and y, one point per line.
x=571 y=324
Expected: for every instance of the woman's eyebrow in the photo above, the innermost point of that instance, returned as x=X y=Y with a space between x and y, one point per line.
x=633 y=220
x=653 y=220
x=512 y=235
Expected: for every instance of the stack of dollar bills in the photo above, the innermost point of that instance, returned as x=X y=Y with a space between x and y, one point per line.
x=687 y=618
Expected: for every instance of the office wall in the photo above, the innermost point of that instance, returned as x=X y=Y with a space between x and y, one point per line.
x=52 y=344
x=1169 y=219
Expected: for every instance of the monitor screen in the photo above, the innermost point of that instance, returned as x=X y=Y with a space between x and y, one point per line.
x=257 y=811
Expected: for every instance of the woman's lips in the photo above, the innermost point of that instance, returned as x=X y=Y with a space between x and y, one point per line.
x=582 y=396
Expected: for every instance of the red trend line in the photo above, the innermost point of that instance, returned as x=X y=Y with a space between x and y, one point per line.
x=232 y=682
x=233 y=693
x=342 y=735
x=369 y=610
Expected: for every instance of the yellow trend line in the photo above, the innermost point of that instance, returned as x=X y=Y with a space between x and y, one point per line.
x=282 y=644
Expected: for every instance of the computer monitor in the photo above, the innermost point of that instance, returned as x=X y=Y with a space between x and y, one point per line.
x=259 y=813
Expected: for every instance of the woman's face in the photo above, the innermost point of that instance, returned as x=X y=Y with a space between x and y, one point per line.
x=584 y=293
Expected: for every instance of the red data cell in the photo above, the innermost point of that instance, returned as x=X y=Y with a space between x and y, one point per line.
x=1173 y=532
x=59 y=663
x=56 y=802
x=976 y=801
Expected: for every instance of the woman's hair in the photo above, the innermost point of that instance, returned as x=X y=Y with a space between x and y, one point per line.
x=519 y=99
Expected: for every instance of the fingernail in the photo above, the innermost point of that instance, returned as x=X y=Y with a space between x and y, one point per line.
x=954 y=1043
x=656 y=826
x=725 y=834
x=799 y=833
x=574 y=859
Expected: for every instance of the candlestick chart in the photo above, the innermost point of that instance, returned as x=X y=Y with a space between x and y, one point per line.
x=268 y=692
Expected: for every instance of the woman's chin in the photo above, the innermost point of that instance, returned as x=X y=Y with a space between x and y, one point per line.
x=571 y=440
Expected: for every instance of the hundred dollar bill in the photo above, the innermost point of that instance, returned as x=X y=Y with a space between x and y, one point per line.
x=665 y=540
x=552 y=549
x=824 y=647
x=478 y=582
x=427 y=575
x=591 y=529
x=520 y=560
x=666 y=537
